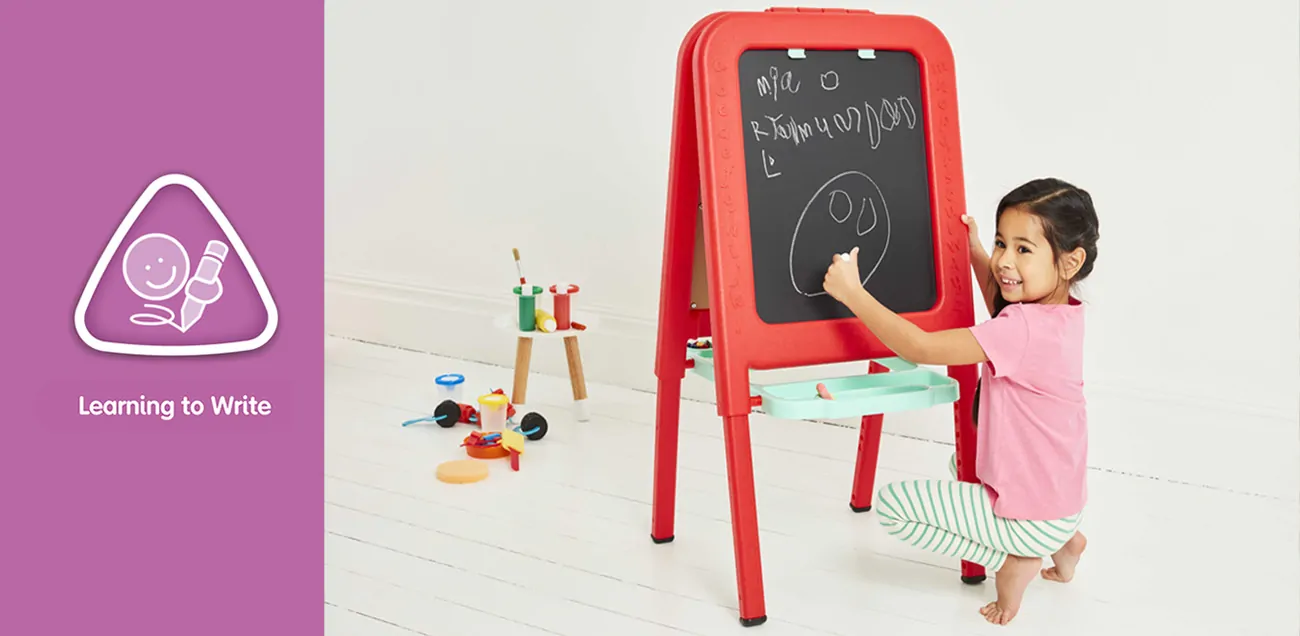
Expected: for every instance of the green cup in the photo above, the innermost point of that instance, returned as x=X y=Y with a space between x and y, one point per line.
x=528 y=306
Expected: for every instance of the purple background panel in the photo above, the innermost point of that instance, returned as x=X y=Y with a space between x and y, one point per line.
x=203 y=525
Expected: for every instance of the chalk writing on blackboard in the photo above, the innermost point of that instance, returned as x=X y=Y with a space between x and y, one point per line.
x=775 y=82
x=848 y=196
x=836 y=157
x=891 y=114
x=768 y=167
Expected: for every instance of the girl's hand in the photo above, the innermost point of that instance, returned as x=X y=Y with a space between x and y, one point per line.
x=842 y=278
x=973 y=230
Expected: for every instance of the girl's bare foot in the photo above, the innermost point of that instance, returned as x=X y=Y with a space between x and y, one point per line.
x=1065 y=559
x=1012 y=580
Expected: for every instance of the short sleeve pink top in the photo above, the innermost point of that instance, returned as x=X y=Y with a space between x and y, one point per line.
x=1033 y=425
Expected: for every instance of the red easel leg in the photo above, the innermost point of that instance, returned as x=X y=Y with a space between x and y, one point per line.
x=675 y=290
x=966 y=377
x=864 y=474
x=667 y=424
x=744 y=520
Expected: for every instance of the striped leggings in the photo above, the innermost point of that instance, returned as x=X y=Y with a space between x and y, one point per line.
x=956 y=518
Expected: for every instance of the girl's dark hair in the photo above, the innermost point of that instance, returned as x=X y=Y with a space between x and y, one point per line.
x=1069 y=223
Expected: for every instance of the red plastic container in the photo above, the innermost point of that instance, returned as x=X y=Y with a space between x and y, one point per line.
x=562 y=304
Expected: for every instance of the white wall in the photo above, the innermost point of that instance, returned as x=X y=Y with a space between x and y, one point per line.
x=455 y=133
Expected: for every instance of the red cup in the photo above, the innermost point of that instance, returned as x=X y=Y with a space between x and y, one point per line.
x=562 y=306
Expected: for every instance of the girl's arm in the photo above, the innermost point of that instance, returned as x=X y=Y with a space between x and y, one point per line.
x=952 y=347
x=979 y=264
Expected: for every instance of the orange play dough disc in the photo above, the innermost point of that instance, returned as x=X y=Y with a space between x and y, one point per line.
x=462 y=471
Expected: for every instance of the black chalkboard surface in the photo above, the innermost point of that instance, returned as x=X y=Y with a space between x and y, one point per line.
x=835 y=158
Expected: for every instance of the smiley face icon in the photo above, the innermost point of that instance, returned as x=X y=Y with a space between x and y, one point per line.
x=156 y=267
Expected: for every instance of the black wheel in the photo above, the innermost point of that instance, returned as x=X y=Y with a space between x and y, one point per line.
x=533 y=421
x=449 y=412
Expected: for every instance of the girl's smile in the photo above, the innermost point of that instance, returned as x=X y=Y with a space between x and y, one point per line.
x=1023 y=263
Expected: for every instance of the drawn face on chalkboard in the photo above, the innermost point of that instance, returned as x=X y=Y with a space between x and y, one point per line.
x=848 y=211
x=1022 y=261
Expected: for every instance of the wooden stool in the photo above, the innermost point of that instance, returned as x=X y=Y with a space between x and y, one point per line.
x=524 y=355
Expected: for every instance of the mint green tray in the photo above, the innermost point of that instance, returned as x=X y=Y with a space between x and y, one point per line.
x=906 y=387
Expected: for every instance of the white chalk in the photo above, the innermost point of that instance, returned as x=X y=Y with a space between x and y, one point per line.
x=844 y=257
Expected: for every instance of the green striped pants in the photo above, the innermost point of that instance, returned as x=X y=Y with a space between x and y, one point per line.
x=956 y=519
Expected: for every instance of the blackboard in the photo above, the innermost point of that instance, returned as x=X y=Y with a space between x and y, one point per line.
x=835 y=158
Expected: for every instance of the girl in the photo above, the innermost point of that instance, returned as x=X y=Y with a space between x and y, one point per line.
x=1032 y=422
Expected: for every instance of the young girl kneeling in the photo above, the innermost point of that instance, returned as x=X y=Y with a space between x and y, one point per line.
x=1031 y=414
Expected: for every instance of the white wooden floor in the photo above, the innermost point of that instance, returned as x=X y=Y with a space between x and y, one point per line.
x=563 y=546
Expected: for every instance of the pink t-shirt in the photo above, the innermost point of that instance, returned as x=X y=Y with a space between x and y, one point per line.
x=1033 y=424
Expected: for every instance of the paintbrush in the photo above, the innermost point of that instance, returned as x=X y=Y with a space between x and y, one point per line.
x=519 y=266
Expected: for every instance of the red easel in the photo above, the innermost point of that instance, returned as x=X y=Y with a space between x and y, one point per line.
x=717 y=296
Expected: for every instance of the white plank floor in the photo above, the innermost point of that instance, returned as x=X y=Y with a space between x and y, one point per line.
x=563 y=547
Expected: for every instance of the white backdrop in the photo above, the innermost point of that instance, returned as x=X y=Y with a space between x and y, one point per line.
x=455 y=133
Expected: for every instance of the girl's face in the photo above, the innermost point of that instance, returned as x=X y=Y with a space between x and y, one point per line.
x=1022 y=261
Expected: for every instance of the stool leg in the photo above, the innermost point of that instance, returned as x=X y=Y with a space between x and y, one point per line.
x=576 y=378
x=864 y=473
x=523 y=355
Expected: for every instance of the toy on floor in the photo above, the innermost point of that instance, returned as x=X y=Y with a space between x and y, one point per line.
x=513 y=442
x=449 y=386
x=494 y=445
x=482 y=445
x=450 y=413
x=462 y=471
x=492 y=412
x=448 y=389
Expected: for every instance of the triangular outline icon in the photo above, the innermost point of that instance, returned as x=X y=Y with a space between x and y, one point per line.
x=216 y=348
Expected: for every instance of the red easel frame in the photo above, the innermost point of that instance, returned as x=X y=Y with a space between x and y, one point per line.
x=707 y=165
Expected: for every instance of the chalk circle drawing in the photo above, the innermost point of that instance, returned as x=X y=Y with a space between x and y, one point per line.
x=840 y=199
